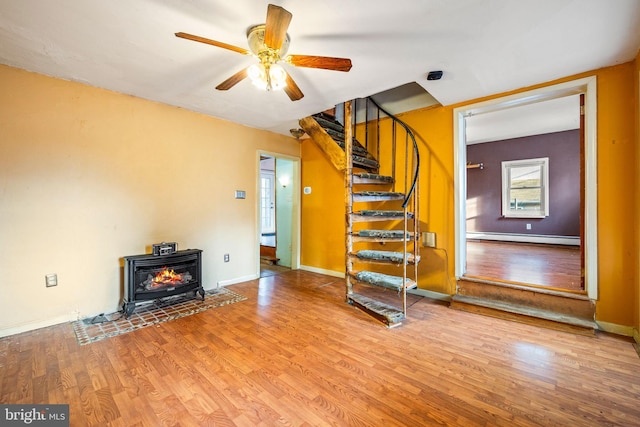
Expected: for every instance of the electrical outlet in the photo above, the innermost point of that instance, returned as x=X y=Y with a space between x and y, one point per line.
x=429 y=239
x=51 y=280
x=226 y=257
x=528 y=226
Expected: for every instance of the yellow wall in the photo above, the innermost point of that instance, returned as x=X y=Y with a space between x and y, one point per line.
x=88 y=176
x=636 y=92
x=617 y=167
x=323 y=223
x=617 y=225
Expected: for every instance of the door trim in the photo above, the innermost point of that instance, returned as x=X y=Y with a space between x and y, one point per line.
x=295 y=223
x=586 y=86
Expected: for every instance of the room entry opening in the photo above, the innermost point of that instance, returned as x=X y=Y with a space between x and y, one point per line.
x=468 y=204
x=278 y=211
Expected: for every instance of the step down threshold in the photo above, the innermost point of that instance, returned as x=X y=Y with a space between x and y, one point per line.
x=521 y=313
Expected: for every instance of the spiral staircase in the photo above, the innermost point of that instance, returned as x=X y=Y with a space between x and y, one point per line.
x=381 y=182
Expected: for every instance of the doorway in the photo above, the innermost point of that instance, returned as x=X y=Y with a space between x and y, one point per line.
x=267 y=210
x=278 y=213
x=522 y=161
x=587 y=87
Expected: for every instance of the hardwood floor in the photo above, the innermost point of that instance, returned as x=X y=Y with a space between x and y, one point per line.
x=550 y=266
x=267 y=269
x=296 y=354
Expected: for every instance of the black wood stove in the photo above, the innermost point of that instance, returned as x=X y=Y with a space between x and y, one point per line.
x=166 y=272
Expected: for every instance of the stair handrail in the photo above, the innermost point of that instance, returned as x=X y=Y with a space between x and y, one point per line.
x=409 y=132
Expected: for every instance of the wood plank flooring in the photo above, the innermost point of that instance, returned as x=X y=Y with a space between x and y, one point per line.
x=268 y=269
x=552 y=266
x=296 y=354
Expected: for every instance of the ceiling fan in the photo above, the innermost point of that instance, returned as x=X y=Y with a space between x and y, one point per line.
x=269 y=43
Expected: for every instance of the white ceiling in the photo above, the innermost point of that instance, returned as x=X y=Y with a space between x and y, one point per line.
x=554 y=115
x=483 y=46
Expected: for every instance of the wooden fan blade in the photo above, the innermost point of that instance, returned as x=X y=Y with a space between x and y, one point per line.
x=275 y=31
x=233 y=80
x=324 y=62
x=213 y=43
x=292 y=90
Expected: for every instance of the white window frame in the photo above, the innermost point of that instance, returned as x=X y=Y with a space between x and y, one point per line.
x=267 y=202
x=507 y=166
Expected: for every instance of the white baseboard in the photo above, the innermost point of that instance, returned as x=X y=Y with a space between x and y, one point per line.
x=238 y=280
x=322 y=271
x=31 y=326
x=526 y=238
x=627 y=331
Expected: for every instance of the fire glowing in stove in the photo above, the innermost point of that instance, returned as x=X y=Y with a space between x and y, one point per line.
x=165 y=278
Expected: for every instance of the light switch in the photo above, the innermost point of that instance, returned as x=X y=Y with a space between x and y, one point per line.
x=51 y=280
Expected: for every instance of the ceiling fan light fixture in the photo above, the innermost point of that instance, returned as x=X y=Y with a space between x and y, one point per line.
x=258 y=76
x=267 y=76
x=269 y=43
x=278 y=77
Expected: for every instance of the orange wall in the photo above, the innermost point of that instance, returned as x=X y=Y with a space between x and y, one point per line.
x=88 y=176
x=323 y=222
x=617 y=151
x=617 y=225
x=636 y=92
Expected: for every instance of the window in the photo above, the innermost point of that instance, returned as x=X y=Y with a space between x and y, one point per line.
x=525 y=188
x=267 y=199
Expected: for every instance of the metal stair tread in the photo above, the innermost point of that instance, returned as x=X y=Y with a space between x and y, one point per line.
x=335 y=133
x=365 y=162
x=525 y=311
x=382 y=280
x=326 y=122
x=371 y=178
x=382 y=212
x=393 y=257
x=379 y=193
x=391 y=315
x=376 y=196
x=356 y=149
x=394 y=235
x=338 y=136
x=368 y=215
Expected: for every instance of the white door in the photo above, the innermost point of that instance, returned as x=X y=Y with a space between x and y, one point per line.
x=267 y=202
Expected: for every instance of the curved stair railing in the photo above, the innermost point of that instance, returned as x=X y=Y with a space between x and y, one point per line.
x=386 y=217
x=409 y=132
